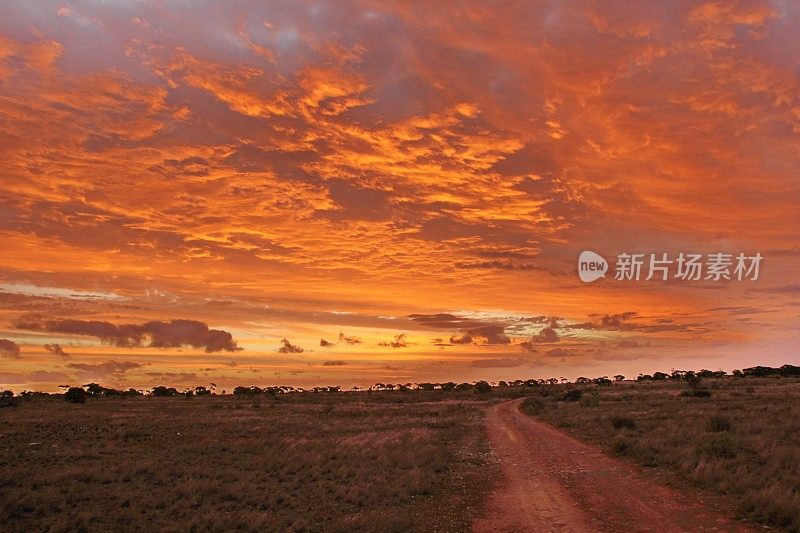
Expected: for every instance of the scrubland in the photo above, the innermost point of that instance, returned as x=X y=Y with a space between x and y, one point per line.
x=295 y=463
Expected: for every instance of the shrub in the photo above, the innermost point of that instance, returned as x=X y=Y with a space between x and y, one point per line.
x=532 y=405
x=696 y=393
x=720 y=445
x=572 y=395
x=622 y=422
x=718 y=423
x=622 y=445
x=75 y=395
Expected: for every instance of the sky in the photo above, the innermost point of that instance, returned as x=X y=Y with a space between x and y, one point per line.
x=352 y=192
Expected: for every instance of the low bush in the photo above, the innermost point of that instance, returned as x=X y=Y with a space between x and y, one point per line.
x=695 y=393
x=718 y=423
x=572 y=395
x=532 y=405
x=623 y=422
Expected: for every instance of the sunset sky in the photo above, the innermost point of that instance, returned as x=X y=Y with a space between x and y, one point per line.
x=343 y=193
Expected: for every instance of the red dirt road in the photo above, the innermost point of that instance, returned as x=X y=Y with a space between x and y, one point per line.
x=552 y=482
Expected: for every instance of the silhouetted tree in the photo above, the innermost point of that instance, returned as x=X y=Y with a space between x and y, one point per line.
x=483 y=387
x=75 y=395
x=163 y=391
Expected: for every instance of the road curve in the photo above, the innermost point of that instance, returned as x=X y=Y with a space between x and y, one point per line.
x=554 y=483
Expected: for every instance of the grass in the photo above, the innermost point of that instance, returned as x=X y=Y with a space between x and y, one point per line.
x=304 y=463
x=739 y=438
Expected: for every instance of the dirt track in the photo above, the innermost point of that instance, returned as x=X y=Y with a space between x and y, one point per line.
x=552 y=482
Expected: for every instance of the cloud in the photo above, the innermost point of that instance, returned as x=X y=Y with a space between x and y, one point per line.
x=288 y=347
x=334 y=363
x=9 y=349
x=546 y=335
x=490 y=334
x=348 y=340
x=461 y=339
x=472 y=331
x=326 y=344
x=39 y=376
x=498 y=363
x=56 y=349
x=173 y=377
x=172 y=334
x=561 y=352
x=399 y=341
x=109 y=369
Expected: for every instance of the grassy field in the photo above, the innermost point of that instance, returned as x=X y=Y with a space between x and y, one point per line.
x=736 y=437
x=298 y=463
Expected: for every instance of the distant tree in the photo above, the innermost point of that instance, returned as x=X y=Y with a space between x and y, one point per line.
x=602 y=381
x=7 y=399
x=552 y=381
x=75 y=395
x=201 y=391
x=463 y=387
x=502 y=384
x=582 y=381
x=426 y=386
x=660 y=376
x=483 y=387
x=163 y=391
x=449 y=386
x=94 y=389
x=619 y=377
x=789 y=370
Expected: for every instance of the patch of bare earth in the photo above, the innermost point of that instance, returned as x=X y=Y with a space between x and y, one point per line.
x=552 y=482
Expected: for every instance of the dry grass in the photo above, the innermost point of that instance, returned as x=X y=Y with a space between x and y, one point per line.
x=303 y=464
x=740 y=438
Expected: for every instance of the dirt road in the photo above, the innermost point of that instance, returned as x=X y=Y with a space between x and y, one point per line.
x=552 y=482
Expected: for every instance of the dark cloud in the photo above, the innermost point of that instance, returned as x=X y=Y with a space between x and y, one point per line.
x=334 y=363
x=561 y=352
x=498 y=363
x=288 y=347
x=445 y=321
x=172 y=334
x=546 y=335
x=109 y=369
x=357 y=203
x=326 y=344
x=617 y=321
x=9 y=348
x=349 y=340
x=471 y=330
x=490 y=334
x=173 y=377
x=461 y=339
x=40 y=376
x=398 y=342
x=56 y=349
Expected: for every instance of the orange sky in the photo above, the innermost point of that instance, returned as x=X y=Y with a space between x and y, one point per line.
x=412 y=183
